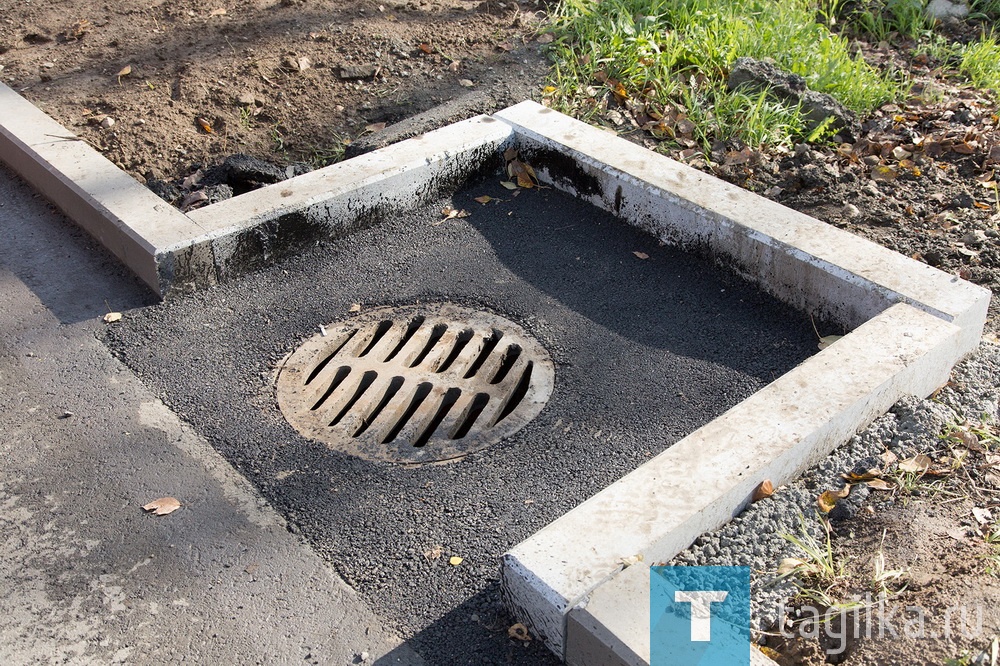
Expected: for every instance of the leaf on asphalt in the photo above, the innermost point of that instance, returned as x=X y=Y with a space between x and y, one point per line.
x=355 y=307
x=918 y=464
x=763 y=491
x=520 y=632
x=112 y=317
x=485 y=199
x=641 y=255
x=455 y=560
x=829 y=498
x=522 y=173
x=162 y=506
x=828 y=340
x=510 y=154
x=880 y=484
x=433 y=553
x=450 y=213
x=509 y=185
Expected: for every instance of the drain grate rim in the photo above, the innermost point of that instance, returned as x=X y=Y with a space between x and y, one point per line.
x=415 y=384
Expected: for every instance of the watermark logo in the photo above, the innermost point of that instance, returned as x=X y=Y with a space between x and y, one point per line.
x=699 y=616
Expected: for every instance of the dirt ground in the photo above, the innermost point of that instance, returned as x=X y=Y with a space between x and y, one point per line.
x=164 y=88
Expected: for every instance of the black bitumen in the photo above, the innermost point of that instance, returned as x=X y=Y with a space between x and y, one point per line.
x=646 y=351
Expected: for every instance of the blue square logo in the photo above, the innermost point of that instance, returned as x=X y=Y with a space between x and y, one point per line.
x=699 y=616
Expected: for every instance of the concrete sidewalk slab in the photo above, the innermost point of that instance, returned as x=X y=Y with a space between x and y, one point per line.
x=90 y=578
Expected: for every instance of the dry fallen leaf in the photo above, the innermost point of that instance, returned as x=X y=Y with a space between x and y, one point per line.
x=828 y=340
x=455 y=560
x=918 y=464
x=829 y=498
x=205 y=125
x=433 y=553
x=355 y=307
x=485 y=199
x=125 y=71
x=982 y=516
x=112 y=317
x=641 y=255
x=789 y=565
x=763 y=491
x=866 y=475
x=450 y=213
x=520 y=632
x=509 y=185
x=162 y=506
x=426 y=48
x=522 y=173
x=880 y=484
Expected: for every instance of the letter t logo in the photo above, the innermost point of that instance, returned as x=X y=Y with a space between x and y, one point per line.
x=701 y=610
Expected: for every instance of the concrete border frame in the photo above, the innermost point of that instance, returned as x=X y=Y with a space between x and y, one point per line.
x=909 y=324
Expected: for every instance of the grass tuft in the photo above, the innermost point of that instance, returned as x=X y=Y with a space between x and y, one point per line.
x=678 y=53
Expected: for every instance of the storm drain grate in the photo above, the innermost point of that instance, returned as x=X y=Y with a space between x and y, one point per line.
x=415 y=384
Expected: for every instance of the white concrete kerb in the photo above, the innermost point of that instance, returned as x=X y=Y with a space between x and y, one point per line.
x=910 y=323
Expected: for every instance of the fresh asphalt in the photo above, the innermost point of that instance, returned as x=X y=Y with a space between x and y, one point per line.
x=647 y=347
x=87 y=577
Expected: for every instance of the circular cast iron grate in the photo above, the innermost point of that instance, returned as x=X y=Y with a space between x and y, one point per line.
x=415 y=384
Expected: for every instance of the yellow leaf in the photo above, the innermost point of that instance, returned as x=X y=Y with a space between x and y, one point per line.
x=829 y=498
x=455 y=560
x=548 y=90
x=885 y=173
x=162 y=506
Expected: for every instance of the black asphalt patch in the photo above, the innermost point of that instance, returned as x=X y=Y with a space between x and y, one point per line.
x=646 y=350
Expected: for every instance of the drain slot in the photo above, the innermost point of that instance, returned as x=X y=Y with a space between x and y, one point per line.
x=450 y=398
x=423 y=390
x=415 y=384
x=338 y=379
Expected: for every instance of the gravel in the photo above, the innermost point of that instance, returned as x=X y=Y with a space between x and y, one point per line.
x=912 y=426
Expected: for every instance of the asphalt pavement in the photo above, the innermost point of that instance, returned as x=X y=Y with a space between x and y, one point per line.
x=88 y=577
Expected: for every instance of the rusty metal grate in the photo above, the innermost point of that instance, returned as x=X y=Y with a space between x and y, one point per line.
x=415 y=384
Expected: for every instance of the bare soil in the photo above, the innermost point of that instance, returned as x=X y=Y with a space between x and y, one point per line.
x=165 y=88
x=162 y=88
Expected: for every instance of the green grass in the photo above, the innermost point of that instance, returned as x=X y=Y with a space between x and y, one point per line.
x=676 y=55
x=981 y=62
